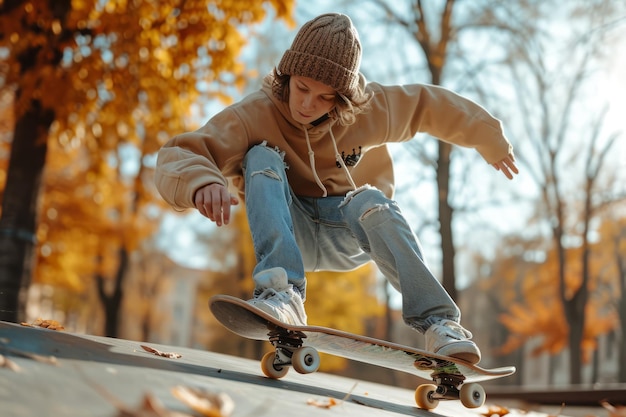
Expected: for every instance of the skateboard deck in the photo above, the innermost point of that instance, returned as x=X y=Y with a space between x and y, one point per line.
x=298 y=347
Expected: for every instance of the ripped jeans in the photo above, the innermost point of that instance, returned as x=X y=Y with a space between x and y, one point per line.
x=338 y=233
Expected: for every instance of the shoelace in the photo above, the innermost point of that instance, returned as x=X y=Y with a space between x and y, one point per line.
x=275 y=297
x=266 y=294
x=452 y=329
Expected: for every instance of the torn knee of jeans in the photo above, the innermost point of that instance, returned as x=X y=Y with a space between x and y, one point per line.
x=354 y=193
x=377 y=208
x=268 y=173
x=276 y=149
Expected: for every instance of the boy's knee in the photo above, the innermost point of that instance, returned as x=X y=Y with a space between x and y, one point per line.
x=264 y=157
x=264 y=149
x=365 y=202
x=365 y=195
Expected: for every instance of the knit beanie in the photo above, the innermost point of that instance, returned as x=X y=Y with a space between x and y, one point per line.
x=326 y=49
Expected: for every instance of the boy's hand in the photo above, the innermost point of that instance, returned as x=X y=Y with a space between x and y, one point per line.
x=507 y=166
x=214 y=201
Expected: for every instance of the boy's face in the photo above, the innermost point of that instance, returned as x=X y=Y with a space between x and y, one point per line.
x=309 y=99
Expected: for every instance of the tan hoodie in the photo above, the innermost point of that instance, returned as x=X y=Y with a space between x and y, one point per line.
x=214 y=153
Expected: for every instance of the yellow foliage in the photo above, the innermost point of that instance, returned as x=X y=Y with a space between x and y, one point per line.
x=537 y=311
x=102 y=61
x=118 y=75
x=343 y=301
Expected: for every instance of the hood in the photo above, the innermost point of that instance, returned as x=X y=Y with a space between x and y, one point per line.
x=311 y=133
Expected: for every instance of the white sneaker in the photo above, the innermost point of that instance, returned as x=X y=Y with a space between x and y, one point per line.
x=275 y=296
x=449 y=338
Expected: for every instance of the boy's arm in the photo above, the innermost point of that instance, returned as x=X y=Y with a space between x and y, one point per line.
x=454 y=119
x=193 y=160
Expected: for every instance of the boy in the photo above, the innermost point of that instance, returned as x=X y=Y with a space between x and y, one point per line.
x=307 y=153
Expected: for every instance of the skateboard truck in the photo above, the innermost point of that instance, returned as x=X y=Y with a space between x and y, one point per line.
x=449 y=387
x=285 y=343
x=288 y=351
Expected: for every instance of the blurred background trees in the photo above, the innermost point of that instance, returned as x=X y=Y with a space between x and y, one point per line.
x=90 y=90
x=108 y=82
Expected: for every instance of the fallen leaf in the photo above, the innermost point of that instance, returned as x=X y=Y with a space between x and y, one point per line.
x=331 y=402
x=157 y=352
x=209 y=404
x=46 y=324
x=495 y=410
x=7 y=363
x=150 y=407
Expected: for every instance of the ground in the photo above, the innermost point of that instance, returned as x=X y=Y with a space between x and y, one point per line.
x=56 y=373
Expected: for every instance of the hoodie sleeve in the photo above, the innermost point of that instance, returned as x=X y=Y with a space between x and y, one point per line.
x=192 y=160
x=443 y=114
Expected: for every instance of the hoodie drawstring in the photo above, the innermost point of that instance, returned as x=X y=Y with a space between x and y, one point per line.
x=338 y=158
x=312 y=163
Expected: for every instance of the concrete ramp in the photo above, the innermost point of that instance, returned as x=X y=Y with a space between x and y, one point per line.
x=56 y=373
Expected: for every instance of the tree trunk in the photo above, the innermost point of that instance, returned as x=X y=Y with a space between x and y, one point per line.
x=436 y=55
x=448 y=252
x=575 y=308
x=621 y=308
x=18 y=221
x=445 y=210
x=575 y=356
x=621 y=344
x=113 y=302
x=595 y=370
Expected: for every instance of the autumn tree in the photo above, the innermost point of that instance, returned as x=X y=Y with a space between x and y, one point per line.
x=569 y=157
x=99 y=75
x=534 y=314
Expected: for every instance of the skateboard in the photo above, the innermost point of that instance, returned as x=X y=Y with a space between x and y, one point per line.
x=298 y=347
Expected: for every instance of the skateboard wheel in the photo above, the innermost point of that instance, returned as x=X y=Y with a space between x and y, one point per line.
x=424 y=396
x=269 y=369
x=472 y=395
x=305 y=360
